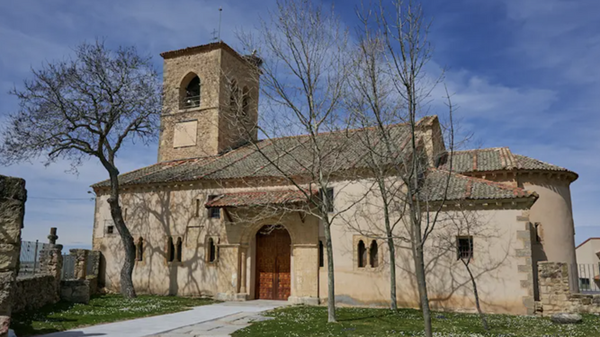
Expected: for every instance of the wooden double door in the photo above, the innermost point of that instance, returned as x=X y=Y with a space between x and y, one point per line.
x=273 y=277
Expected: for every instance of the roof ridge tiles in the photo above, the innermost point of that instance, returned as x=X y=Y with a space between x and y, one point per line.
x=501 y=185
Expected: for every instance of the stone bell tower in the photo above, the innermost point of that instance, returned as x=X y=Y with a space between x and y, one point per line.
x=210 y=102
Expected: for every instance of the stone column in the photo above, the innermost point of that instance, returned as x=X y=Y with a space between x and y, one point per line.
x=12 y=210
x=244 y=250
x=80 y=263
x=52 y=237
x=51 y=260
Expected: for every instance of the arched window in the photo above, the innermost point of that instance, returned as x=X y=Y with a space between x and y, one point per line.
x=362 y=254
x=373 y=254
x=179 y=249
x=321 y=254
x=191 y=95
x=170 y=250
x=234 y=95
x=140 y=249
x=246 y=101
x=212 y=250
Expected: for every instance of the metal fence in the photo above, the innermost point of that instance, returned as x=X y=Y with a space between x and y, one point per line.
x=588 y=276
x=30 y=257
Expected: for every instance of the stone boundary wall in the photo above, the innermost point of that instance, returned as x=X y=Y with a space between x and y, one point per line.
x=555 y=293
x=33 y=292
x=85 y=281
x=12 y=210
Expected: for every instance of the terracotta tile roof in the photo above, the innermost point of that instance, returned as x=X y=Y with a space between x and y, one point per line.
x=198 y=49
x=344 y=150
x=259 y=198
x=462 y=187
x=496 y=159
x=293 y=155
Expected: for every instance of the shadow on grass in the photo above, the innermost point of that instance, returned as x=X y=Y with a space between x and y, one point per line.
x=366 y=317
x=101 y=309
x=23 y=322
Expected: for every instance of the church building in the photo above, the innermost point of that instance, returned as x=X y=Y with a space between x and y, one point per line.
x=214 y=217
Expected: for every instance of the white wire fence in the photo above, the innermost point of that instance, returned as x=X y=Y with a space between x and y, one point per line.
x=29 y=259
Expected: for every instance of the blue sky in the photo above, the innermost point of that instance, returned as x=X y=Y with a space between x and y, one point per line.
x=523 y=72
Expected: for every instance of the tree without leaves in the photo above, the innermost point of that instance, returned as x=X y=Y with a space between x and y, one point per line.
x=85 y=107
x=303 y=78
x=389 y=87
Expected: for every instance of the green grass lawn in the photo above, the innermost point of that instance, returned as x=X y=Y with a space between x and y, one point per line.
x=311 y=321
x=101 y=309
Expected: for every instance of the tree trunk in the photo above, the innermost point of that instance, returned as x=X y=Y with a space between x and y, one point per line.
x=422 y=285
x=127 y=289
x=392 y=250
x=476 y=293
x=330 y=275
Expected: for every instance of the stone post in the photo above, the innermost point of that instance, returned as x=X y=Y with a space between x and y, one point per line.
x=80 y=263
x=12 y=210
x=52 y=237
x=51 y=260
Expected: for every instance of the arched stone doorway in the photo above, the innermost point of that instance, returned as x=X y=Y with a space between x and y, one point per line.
x=273 y=263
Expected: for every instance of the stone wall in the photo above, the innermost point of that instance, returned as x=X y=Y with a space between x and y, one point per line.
x=12 y=210
x=555 y=293
x=76 y=291
x=33 y=292
x=85 y=281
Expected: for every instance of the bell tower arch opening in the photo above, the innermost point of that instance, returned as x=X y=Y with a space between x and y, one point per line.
x=189 y=92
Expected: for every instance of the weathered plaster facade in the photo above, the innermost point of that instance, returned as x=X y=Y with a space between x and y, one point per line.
x=522 y=208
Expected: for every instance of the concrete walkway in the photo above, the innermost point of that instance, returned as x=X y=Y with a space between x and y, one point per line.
x=209 y=320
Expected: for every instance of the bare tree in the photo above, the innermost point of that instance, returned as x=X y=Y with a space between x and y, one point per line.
x=87 y=107
x=303 y=78
x=391 y=86
x=372 y=104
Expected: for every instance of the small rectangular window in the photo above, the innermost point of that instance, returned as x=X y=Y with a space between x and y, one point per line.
x=212 y=251
x=179 y=252
x=197 y=213
x=110 y=229
x=328 y=198
x=170 y=250
x=584 y=284
x=321 y=254
x=464 y=245
x=140 y=250
x=213 y=212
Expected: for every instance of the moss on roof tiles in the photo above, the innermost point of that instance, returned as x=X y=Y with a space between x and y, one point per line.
x=496 y=159
x=462 y=187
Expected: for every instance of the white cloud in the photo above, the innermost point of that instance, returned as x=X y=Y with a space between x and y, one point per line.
x=559 y=35
x=557 y=38
x=477 y=97
x=32 y=32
